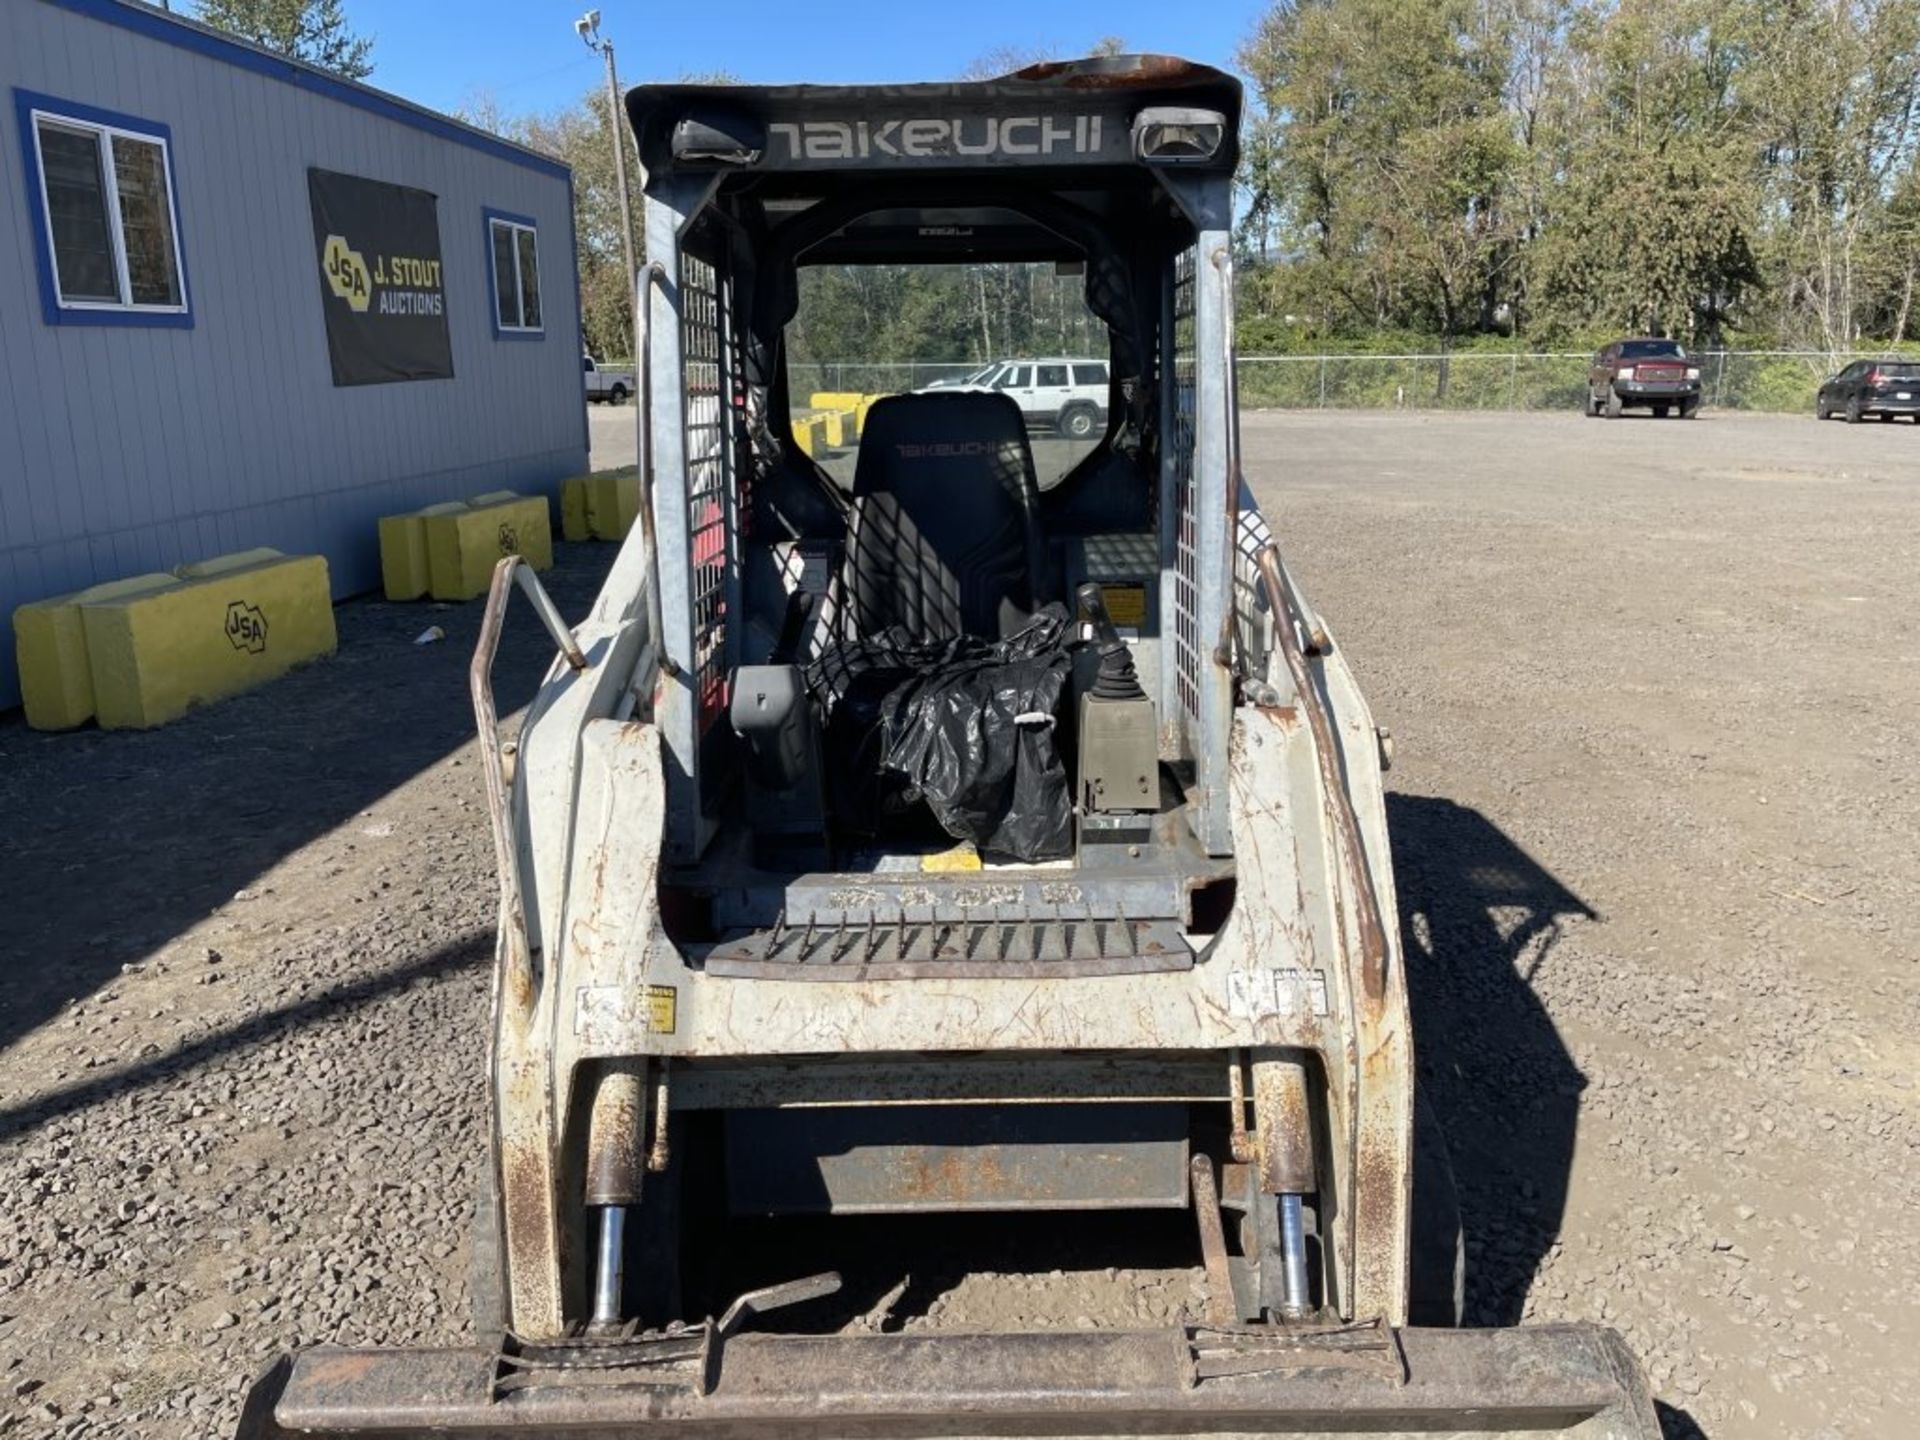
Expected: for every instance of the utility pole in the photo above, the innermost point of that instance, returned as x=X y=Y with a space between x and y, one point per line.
x=588 y=28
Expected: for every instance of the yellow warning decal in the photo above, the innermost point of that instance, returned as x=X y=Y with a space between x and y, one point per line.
x=662 y=1008
x=1126 y=603
x=962 y=857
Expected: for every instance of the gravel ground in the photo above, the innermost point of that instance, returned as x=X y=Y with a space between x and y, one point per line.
x=1655 y=825
x=1656 y=840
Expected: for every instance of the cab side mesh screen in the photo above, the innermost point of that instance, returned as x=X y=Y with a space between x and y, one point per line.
x=712 y=465
x=1252 y=614
x=1180 y=446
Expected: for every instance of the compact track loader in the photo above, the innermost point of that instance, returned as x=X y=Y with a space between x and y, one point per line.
x=932 y=842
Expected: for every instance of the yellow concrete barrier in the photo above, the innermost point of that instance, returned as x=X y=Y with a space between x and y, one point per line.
x=155 y=655
x=463 y=548
x=841 y=429
x=601 y=506
x=221 y=564
x=403 y=550
x=835 y=400
x=613 y=503
x=867 y=402
x=809 y=433
x=50 y=644
x=573 y=508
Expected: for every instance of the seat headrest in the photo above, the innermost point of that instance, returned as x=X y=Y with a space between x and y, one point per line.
x=958 y=428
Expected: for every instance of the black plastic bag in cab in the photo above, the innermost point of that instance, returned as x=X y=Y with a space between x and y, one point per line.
x=975 y=736
x=965 y=724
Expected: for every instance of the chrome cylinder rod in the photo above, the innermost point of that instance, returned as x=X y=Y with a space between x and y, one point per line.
x=609 y=1271
x=1295 y=1302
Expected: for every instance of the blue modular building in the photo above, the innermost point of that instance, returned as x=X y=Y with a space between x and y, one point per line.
x=244 y=302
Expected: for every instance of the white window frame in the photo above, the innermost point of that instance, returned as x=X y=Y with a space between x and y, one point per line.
x=116 y=232
x=514 y=228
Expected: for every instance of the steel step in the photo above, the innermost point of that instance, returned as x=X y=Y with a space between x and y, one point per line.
x=873 y=949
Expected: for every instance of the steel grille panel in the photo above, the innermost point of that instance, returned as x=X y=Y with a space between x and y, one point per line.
x=1180 y=439
x=710 y=469
x=1252 y=613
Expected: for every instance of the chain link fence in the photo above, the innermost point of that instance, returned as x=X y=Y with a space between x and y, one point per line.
x=869 y=378
x=1771 y=380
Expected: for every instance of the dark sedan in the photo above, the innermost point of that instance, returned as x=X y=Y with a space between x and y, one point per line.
x=1872 y=387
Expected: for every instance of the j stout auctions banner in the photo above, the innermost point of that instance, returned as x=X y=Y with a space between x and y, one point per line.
x=380 y=280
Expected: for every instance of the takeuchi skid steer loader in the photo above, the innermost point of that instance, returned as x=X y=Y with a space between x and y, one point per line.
x=934 y=842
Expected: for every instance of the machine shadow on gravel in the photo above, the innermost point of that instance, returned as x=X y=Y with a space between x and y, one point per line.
x=117 y=841
x=470 y=953
x=1478 y=917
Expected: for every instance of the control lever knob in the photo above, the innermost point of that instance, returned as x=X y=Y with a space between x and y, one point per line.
x=1116 y=680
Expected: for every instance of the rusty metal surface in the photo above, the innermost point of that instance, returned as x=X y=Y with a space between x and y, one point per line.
x=1352 y=852
x=1123 y=73
x=889 y=1080
x=516 y=948
x=948 y=1158
x=615 y=1125
x=1284 y=1126
x=1222 y=1307
x=1573 y=1381
x=1222 y=1350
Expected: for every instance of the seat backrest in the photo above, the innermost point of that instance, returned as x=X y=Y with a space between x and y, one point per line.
x=944 y=537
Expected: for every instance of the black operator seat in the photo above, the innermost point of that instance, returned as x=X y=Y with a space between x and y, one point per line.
x=944 y=538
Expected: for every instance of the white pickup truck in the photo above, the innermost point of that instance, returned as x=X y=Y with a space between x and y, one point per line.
x=607 y=383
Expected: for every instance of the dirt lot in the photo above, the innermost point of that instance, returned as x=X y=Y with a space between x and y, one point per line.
x=1656 y=829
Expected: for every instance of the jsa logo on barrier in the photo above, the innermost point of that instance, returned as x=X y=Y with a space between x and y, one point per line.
x=246 y=627
x=974 y=136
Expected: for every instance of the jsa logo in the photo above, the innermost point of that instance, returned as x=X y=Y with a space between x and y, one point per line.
x=246 y=627
x=346 y=272
x=974 y=135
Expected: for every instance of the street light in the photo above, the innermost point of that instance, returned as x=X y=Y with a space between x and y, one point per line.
x=587 y=27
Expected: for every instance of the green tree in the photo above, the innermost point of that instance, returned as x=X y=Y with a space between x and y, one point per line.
x=315 y=31
x=582 y=136
x=1833 y=94
x=1378 y=161
x=1648 y=223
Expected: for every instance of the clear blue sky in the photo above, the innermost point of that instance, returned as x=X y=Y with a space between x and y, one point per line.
x=525 y=52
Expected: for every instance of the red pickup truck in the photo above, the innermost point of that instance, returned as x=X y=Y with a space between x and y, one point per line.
x=1655 y=374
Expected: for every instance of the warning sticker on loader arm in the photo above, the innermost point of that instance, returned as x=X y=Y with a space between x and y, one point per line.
x=609 y=1011
x=1262 y=994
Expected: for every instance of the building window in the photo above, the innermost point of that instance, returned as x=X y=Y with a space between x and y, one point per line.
x=102 y=189
x=513 y=260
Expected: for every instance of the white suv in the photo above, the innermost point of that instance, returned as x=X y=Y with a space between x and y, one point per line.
x=1069 y=394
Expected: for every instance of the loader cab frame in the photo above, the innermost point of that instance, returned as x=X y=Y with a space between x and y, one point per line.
x=1123 y=167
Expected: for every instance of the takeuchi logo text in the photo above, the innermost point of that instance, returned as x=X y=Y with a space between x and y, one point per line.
x=970 y=135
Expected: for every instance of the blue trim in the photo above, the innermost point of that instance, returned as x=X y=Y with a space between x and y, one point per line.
x=579 y=319
x=25 y=102
x=170 y=29
x=487 y=217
